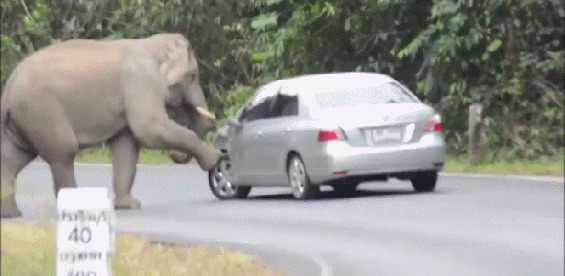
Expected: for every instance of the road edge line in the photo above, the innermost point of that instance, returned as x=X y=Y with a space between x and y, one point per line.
x=530 y=177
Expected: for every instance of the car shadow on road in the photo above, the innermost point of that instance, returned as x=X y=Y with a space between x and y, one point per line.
x=329 y=195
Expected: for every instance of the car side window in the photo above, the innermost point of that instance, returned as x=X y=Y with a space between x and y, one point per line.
x=270 y=102
x=257 y=111
x=284 y=105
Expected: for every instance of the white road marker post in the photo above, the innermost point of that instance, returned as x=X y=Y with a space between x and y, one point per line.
x=85 y=232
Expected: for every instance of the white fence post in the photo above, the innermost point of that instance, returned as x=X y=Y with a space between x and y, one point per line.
x=475 y=134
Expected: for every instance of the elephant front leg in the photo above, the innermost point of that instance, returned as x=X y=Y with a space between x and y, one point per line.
x=180 y=157
x=169 y=135
x=125 y=154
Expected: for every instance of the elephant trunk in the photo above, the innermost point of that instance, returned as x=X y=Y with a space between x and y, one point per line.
x=189 y=117
x=193 y=114
x=194 y=97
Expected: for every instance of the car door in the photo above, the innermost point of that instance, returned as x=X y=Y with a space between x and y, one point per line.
x=241 y=137
x=273 y=141
x=269 y=146
x=245 y=154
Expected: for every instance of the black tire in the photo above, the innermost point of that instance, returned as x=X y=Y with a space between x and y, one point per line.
x=345 y=189
x=424 y=181
x=221 y=187
x=302 y=187
x=242 y=191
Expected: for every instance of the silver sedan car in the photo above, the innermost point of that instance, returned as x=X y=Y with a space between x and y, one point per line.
x=329 y=129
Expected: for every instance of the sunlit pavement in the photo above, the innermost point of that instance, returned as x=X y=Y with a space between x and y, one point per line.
x=471 y=225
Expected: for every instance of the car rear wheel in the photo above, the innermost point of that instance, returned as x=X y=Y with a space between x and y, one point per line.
x=220 y=184
x=424 y=181
x=298 y=179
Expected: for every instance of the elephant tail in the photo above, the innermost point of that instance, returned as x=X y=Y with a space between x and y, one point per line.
x=8 y=126
x=11 y=130
x=6 y=95
x=5 y=105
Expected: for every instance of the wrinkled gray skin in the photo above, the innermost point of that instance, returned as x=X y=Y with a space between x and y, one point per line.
x=81 y=93
x=188 y=117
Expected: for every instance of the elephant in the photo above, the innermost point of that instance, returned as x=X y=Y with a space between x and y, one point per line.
x=82 y=93
x=189 y=119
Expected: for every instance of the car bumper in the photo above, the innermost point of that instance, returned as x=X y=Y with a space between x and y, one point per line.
x=340 y=160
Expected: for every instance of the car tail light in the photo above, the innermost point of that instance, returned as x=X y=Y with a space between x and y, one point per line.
x=331 y=135
x=433 y=124
x=340 y=173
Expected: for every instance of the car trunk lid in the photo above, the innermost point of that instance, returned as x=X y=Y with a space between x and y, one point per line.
x=380 y=124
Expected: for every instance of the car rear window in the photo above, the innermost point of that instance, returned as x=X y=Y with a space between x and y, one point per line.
x=385 y=93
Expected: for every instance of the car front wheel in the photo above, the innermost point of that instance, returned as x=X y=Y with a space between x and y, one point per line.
x=220 y=184
x=424 y=181
x=298 y=179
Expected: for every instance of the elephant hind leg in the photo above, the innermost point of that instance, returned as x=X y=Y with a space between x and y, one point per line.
x=13 y=161
x=49 y=129
x=62 y=167
x=63 y=174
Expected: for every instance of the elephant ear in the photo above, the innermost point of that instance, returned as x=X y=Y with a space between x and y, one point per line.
x=175 y=65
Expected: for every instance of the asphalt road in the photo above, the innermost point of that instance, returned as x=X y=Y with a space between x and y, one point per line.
x=471 y=225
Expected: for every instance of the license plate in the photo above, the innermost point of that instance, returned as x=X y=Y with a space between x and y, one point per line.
x=388 y=134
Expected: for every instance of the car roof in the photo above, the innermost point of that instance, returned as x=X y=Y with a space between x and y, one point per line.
x=330 y=82
x=320 y=83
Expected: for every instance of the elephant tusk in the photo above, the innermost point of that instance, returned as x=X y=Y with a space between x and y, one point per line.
x=204 y=112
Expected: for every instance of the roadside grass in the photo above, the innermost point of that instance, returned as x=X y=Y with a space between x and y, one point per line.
x=103 y=155
x=31 y=250
x=542 y=166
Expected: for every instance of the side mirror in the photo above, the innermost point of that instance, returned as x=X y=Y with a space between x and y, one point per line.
x=234 y=123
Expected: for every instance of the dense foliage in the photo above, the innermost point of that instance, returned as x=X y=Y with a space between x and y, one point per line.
x=506 y=54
